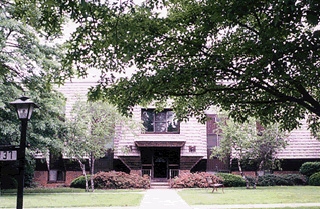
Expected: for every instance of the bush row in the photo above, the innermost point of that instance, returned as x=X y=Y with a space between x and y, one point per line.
x=282 y=180
x=191 y=180
x=113 y=180
x=229 y=180
x=310 y=168
x=120 y=180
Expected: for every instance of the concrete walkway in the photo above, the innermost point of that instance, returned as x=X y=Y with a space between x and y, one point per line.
x=163 y=199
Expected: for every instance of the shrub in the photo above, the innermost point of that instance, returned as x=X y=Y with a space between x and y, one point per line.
x=192 y=180
x=281 y=180
x=120 y=180
x=296 y=179
x=80 y=182
x=310 y=168
x=314 y=179
x=8 y=182
x=231 y=180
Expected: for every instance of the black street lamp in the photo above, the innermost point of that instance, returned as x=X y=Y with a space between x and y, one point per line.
x=24 y=108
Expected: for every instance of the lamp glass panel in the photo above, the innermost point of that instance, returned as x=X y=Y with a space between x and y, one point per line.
x=30 y=111
x=23 y=111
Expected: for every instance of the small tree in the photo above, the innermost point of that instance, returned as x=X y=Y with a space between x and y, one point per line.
x=247 y=143
x=91 y=133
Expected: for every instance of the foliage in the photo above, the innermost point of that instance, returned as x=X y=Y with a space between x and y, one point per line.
x=91 y=131
x=309 y=168
x=29 y=66
x=252 y=58
x=191 y=180
x=296 y=179
x=79 y=182
x=120 y=180
x=231 y=180
x=281 y=180
x=248 y=143
x=314 y=179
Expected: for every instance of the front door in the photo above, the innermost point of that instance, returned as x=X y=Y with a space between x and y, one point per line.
x=160 y=164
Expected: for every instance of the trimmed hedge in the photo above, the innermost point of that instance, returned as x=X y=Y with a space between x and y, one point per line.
x=80 y=182
x=120 y=180
x=281 y=180
x=194 y=180
x=314 y=179
x=310 y=168
x=231 y=180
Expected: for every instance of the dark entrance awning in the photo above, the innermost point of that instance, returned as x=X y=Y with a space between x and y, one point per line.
x=160 y=143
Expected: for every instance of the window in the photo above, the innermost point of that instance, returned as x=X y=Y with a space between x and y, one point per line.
x=56 y=175
x=213 y=140
x=213 y=133
x=159 y=122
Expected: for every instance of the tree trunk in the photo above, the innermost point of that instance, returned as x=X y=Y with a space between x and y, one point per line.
x=243 y=176
x=257 y=176
x=92 y=160
x=83 y=168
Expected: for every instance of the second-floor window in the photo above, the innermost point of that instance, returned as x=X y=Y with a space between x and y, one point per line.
x=159 y=122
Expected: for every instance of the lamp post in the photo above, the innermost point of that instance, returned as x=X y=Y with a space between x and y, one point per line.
x=24 y=108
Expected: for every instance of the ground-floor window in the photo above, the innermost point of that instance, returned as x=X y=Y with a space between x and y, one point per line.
x=56 y=175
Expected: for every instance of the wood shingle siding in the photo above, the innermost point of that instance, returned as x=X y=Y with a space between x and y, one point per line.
x=301 y=145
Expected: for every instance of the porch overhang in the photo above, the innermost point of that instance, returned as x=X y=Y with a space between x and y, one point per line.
x=159 y=143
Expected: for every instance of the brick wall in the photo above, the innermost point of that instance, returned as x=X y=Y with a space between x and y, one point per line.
x=70 y=175
x=246 y=173
x=41 y=179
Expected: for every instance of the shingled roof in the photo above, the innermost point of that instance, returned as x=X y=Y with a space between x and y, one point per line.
x=301 y=145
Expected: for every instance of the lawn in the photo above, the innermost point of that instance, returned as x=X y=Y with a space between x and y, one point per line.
x=67 y=197
x=261 y=195
x=50 y=198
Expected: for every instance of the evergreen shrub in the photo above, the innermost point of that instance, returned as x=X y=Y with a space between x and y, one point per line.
x=231 y=180
x=80 y=182
x=309 y=168
x=314 y=179
x=281 y=180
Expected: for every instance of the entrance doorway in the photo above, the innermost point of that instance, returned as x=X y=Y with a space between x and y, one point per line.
x=160 y=160
x=160 y=164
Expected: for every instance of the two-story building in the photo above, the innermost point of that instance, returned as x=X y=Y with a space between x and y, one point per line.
x=166 y=147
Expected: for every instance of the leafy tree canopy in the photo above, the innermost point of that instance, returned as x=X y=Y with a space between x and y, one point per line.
x=91 y=132
x=251 y=57
x=29 y=67
x=249 y=142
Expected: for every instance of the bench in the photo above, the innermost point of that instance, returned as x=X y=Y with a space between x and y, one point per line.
x=214 y=186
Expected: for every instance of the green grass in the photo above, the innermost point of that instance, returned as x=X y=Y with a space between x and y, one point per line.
x=261 y=195
x=66 y=197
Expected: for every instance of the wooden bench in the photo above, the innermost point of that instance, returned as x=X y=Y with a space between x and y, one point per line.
x=214 y=186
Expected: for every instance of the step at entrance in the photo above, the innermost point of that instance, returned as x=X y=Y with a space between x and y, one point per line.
x=159 y=184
